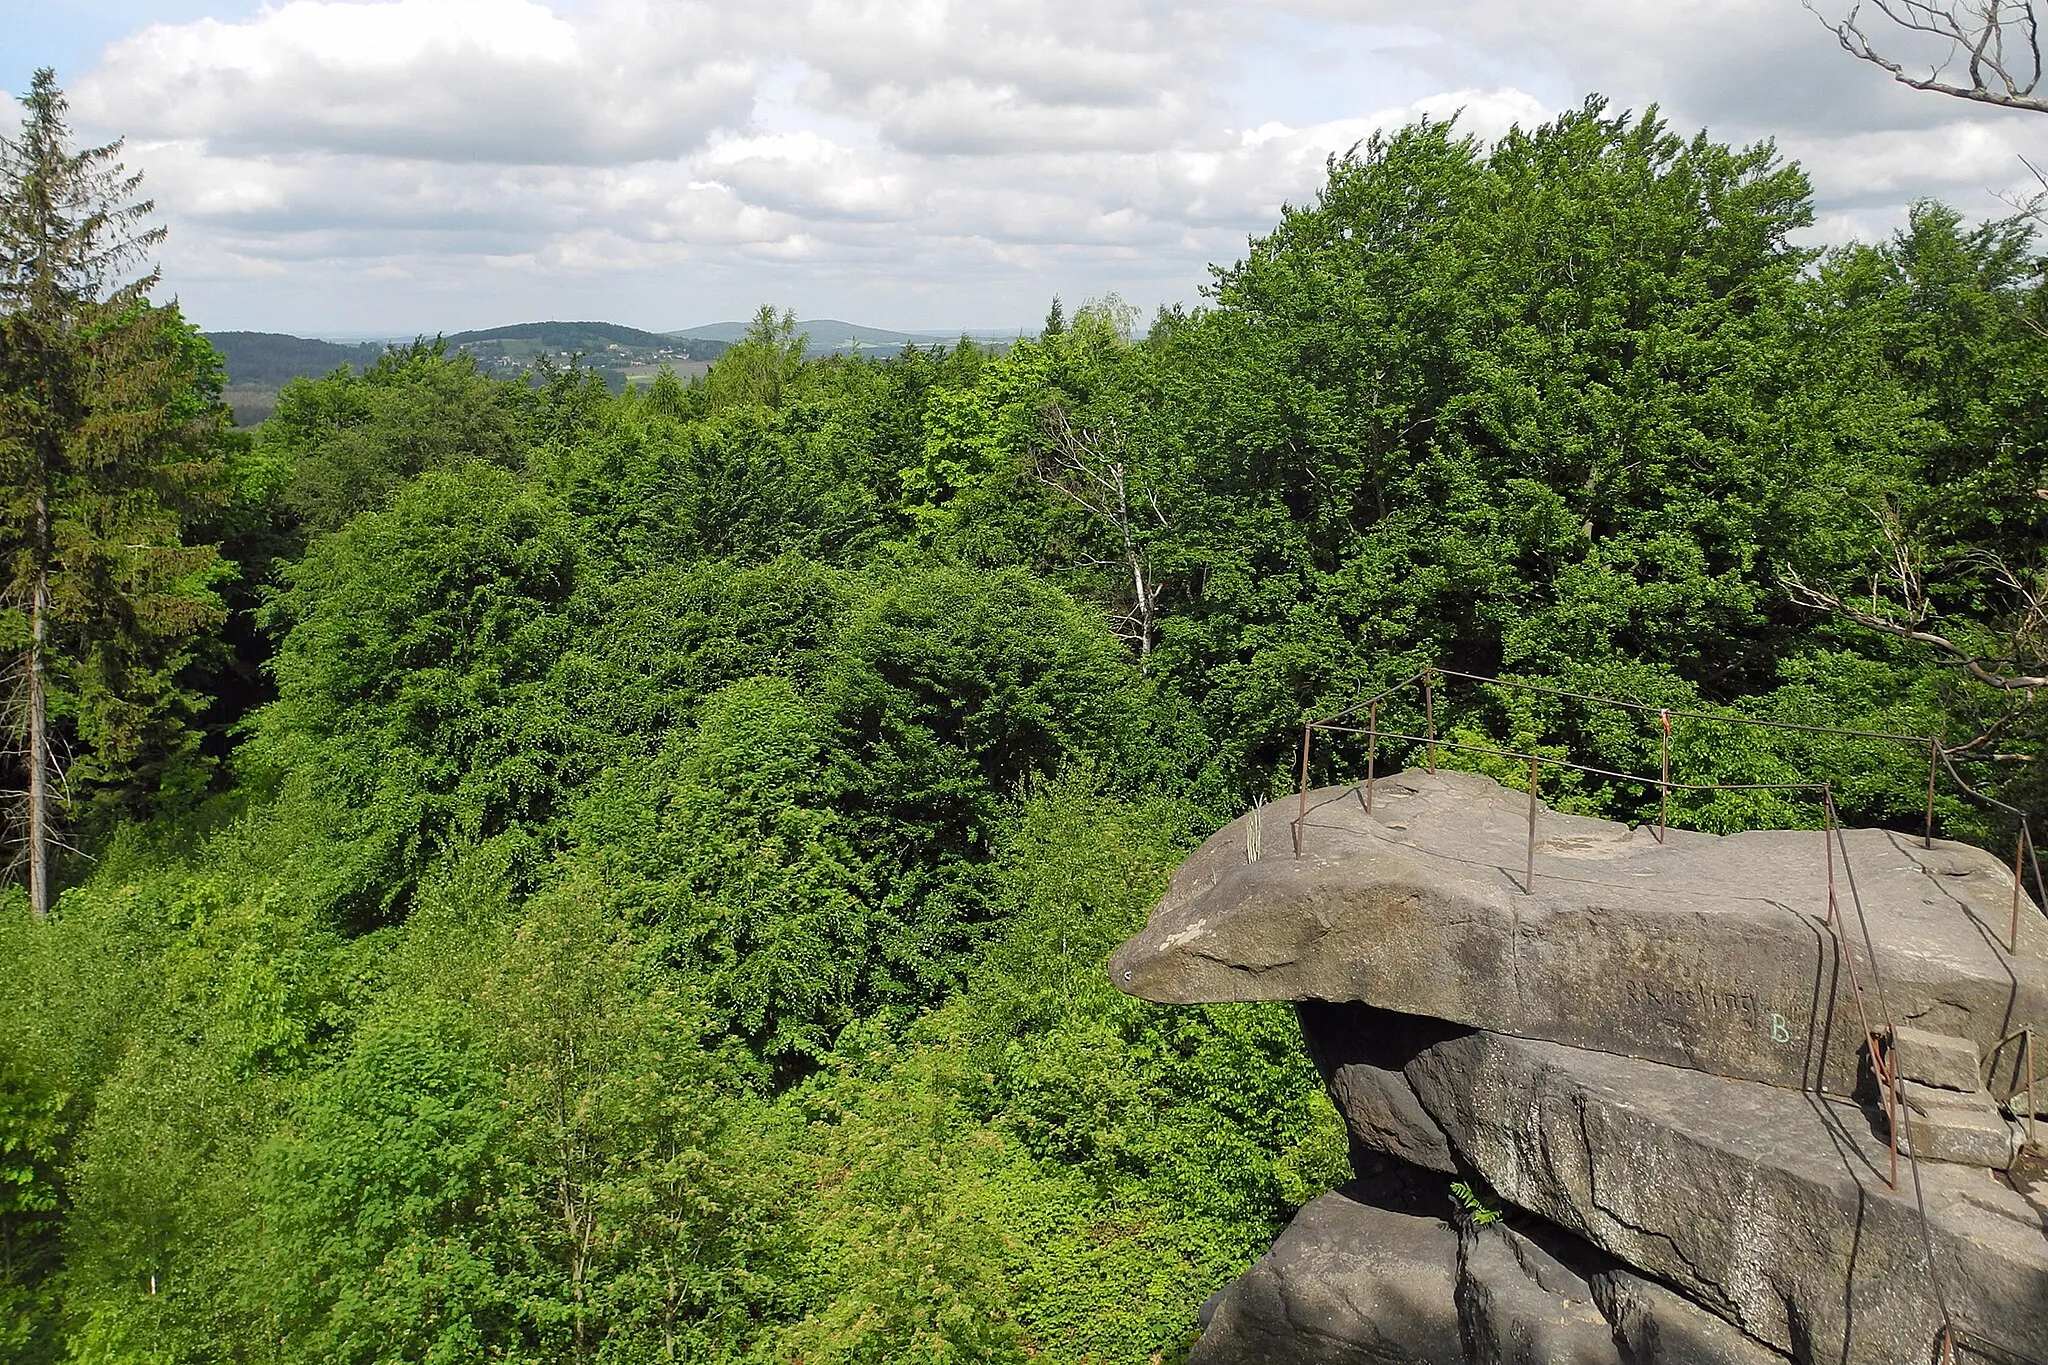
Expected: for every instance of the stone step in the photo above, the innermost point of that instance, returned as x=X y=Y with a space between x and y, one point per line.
x=1937 y=1059
x=1949 y=1125
x=1702 y=951
x=1767 y=1206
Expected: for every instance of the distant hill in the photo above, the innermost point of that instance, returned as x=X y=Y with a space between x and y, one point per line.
x=272 y=357
x=623 y=355
x=592 y=339
x=261 y=363
x=831 y=336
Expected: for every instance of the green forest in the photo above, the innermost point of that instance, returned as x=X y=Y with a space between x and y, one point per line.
x=513 y=871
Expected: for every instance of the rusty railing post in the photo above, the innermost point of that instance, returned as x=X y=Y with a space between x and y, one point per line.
x=1827 y=830
x=1897 y=1111
x=2033 y=1137
x=2033 y=858
x=1529 y=871
x=1664 y=784
x=1372 y=747
x=1933 y=756
x=1429 y=714
x=1301 y=801
x=2019 y=847
x=2024 y=1036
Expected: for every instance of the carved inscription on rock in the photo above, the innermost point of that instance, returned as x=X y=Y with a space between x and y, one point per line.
x=1708 y=1005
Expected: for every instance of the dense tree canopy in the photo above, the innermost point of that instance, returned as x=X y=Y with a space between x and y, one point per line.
x=654 y=901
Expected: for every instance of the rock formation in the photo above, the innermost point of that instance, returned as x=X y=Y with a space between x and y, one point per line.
x=1662 y=1057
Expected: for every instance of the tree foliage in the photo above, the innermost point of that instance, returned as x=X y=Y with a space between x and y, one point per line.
x=659 y=910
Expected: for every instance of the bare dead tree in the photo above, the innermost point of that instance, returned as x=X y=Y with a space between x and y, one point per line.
x=31 y=745
x=1092 y=468
x=2013 y=658
x=1996 y=44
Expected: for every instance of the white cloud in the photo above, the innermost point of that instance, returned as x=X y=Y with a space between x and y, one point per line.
x=438 y=163
x=454 y=80
x=805 y=173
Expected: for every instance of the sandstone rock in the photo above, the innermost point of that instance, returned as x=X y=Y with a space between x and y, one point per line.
x=1520 y=1305
x=1361 y=1276
x=1374 y=1273
x=1700 y=951
x=1359 y=1054
x=1764 y=1205
x=1658 y=1327
x=1949 y=1125
x=1936 y=1059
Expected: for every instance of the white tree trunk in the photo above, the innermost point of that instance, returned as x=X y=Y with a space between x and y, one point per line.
x=40 y=837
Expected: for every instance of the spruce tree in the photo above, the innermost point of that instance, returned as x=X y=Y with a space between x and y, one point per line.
x=109 y=416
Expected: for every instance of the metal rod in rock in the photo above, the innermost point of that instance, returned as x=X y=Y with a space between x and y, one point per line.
x=1529 y=871
x=1372 y=746
x=1301 y=811
x=1429 y=715
x=1933 y=753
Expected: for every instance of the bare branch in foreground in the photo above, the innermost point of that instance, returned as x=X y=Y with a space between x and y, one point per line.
x=1997 y=42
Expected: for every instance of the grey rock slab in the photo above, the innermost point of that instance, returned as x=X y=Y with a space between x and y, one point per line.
x=1521 y=1305
x=1948 y=1125
x=1359 y=1052
x=1375 y=1273
x=1658 y=1326
x=1936 y=1059
x=1356 y=1279
x=1767 y=1206
x=1703 y=951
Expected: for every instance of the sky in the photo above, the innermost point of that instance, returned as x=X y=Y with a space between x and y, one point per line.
x=342 y=168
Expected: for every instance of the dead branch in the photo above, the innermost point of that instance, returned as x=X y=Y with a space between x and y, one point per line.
x=1998 y=43
x=1899 y=606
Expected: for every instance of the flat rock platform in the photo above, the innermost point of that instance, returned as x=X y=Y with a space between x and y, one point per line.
x=1711 y=952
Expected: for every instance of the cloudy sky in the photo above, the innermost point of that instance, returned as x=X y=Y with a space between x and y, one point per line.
x=334 y=167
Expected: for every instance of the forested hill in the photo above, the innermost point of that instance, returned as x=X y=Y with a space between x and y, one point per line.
x=830 y=336
x=571 y=874
x=260 y=363
x=272 y=358
x=590 y=339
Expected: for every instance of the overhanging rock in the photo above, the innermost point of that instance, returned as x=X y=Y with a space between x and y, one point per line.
x=1703 y=951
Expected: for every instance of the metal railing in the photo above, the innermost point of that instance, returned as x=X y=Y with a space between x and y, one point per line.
x=2026 y=856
